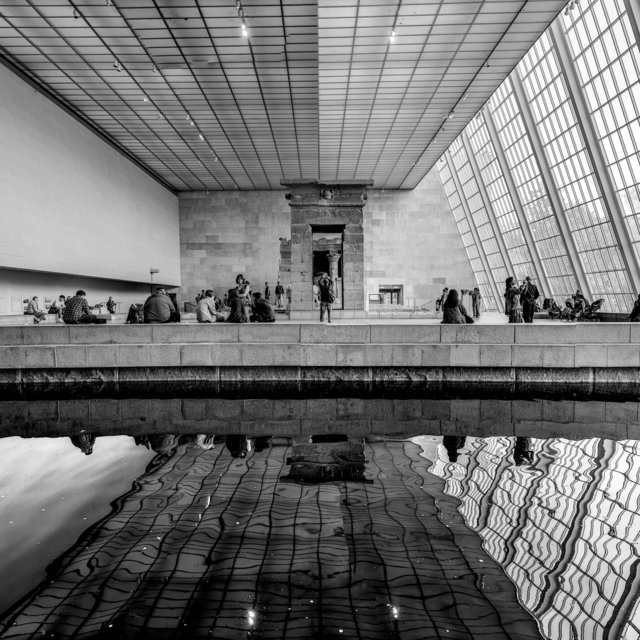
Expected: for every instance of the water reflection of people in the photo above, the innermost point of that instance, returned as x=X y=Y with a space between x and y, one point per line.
x=84 y=441
x=327 y=458
x=452 y=444
x=523 y=451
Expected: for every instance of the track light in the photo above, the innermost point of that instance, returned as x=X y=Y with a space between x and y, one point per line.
x=245 y=33
x=116 y=65
x=392 y=38
x=201 y=137
x=154 y=69
x=76 y=15
x=145 y=99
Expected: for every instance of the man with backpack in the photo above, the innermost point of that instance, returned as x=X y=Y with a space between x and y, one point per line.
x=327 y=296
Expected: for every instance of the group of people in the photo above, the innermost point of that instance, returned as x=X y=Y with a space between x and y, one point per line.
x=453 y=311
x=59 y=306
x=247 y=306
x=520 y=300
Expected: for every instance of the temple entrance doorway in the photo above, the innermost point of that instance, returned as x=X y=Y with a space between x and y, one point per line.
x=327 y=249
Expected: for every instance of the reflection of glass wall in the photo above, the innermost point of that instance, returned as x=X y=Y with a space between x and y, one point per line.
x=572 y=161
x=564 y=528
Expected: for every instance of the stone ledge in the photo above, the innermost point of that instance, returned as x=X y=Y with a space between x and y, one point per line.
x=357 y=353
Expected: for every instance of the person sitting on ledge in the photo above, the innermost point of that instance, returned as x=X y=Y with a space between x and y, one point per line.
x=453 y=310
x=78 y=311
x=159 y=309
x=236 y=306
x=206 y=309
x=35 y=311
x=262 y=309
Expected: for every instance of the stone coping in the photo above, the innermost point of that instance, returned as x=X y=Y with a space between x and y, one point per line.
x=314 y=345
x=296 y=417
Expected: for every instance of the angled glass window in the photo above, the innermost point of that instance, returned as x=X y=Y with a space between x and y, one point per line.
x=496 y=189
x=607 y=61
x=573 y=174
x=479 y=215
x=531 y=190
x=466 y=233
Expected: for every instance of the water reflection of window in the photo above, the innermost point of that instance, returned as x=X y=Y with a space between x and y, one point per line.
x=564 y=528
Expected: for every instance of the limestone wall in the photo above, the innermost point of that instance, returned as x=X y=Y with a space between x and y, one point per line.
x=223 y=233
x=410 y=239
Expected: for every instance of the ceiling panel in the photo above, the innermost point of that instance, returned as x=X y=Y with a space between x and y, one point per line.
x=315 y=89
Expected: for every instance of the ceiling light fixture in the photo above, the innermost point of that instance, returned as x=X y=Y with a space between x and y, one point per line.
x=76 y=15
x=154 y=69
x=245 y=33
x=145 y=99
x=393 y=36
x=116 y=65
x=201 y=137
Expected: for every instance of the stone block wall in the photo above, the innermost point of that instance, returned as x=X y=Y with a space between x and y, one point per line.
x=223 y=233
x=411 y=239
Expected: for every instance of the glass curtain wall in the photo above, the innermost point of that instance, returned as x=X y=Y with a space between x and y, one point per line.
x=574 y=178
x=557 y=178
x=466 y=233
x=501 y=201
x=532 y=191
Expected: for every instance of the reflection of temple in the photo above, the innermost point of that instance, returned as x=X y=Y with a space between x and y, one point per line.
x=208 y=545
x=565 y=528
x=326 y=461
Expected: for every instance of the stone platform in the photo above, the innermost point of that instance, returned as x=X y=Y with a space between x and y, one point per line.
x=294 y=360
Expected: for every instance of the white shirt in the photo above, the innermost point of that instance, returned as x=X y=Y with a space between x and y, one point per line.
x=206 y=310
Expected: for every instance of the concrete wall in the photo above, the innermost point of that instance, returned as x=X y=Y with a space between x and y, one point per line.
x=71 y=204
x=16 y=286
x=410 y=239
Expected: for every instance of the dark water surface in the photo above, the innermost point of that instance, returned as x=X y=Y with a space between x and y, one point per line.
x=466 y=519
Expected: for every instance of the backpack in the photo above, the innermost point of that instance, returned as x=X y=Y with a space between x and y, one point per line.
x=326 y=292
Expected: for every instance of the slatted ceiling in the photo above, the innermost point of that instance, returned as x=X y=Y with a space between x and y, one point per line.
x=316 y=90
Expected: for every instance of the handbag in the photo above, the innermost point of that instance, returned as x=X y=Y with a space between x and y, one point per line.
x=468 y=319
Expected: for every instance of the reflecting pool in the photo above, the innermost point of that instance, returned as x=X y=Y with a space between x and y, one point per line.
x=392 y=532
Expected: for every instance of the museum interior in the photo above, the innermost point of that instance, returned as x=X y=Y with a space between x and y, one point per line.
x=390 y=475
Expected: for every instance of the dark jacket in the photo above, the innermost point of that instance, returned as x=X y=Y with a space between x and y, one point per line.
x=158 y=308
x=262 y=311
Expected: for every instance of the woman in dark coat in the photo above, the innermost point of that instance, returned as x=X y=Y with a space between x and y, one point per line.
x=453 y=310
x=512 y=306
x=236 y=305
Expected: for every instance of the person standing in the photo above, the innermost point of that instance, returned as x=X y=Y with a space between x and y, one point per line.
x=111 y=305
x=243 y=291
x=512 y=306
x=279 y=295
x=441 y=299
x=326 y=296
x=267 y=292
x=289 y=295
x=528 y=296
x=475 y=302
